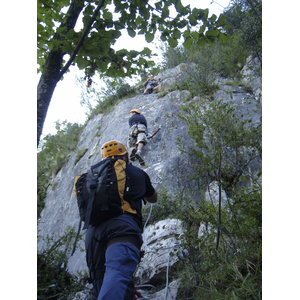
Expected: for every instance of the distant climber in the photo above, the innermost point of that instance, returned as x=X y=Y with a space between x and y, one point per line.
x=151 y=85
x=137 y=135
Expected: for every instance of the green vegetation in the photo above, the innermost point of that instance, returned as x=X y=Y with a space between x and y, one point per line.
x=222 y=58
x=80 y=154
x=225 y=261
x=227 y=264
x=53 y=279
x=116 y=90
x=53 y=154
x=91 y=47
x=245 y=17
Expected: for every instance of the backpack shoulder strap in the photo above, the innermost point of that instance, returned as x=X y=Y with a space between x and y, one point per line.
x=120 y=169
x=92 y=184
x=75 y=181
x=120 y=166
x=80 y=221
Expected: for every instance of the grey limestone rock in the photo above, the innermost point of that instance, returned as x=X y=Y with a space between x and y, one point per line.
x=165 y=165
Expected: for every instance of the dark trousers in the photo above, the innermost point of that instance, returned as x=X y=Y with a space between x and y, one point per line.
x=111 y=259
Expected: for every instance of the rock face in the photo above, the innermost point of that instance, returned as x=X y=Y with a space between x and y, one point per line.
x=165 y=165
x=159 y=241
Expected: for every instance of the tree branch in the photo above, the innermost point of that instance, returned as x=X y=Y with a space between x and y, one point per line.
x=83 y=36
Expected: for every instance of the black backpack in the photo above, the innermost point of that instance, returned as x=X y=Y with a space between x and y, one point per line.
x=100 y=193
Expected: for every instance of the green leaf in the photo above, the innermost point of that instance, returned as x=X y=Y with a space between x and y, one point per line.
x=221 y=21
x=210 y=40
x=213 y=18
x=70 y=34
x=195 y=35
x=40 y=28
x=202 y=29
x=131 y=32
x=133 y=53
x=61 y=29
x=158 y=6
x=224 y=37
x=187 y=33
x=144 y=11
x=165 y=12
x=143 y=30
x=172 y=42
x=107 y=15
x=49 y=23
x=149 y=37
x=111 y=72
x=212 y=33
x=188 y=43
x=201 y=42
x=81 y=62
x=227 y=27
x=116 y=33
x=179 y=7
x=139 y=20
x=103 y=48
x=193 y=20
x=146 y=51
x=205 y=16
x=176 y=34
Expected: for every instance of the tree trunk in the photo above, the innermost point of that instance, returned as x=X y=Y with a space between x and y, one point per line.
x=52 y=68
x=46 y=86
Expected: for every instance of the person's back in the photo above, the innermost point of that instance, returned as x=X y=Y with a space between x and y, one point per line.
x=137 y=119
x=137 y=135
x=113 y=247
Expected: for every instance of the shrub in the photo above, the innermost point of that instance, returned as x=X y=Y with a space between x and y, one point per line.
x=225 y=261
x=115 y=91
x=53 y=279
x=53 y=154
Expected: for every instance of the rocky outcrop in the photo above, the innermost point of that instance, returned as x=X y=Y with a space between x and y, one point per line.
x=165 y=165
x=159 y=241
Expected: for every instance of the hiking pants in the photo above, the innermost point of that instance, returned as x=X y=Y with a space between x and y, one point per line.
x=113 y=254
x=137 y=134
x=121 y=260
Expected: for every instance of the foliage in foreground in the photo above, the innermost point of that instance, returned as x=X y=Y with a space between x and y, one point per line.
x=53 y=279
x=91 y=47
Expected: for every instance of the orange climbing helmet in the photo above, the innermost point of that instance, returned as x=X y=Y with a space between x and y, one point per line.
x=113 y=148
x=136 y=111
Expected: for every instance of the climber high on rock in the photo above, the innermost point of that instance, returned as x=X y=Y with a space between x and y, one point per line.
x=137 y=135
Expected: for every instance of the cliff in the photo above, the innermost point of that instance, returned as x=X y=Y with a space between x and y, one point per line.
x=165 y=164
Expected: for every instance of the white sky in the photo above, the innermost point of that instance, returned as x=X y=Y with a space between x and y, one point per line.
x=65 y=103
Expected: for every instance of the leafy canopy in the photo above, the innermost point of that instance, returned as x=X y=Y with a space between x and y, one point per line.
x=93 y=51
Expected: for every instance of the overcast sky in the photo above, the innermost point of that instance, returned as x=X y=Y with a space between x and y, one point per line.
x=65 y=103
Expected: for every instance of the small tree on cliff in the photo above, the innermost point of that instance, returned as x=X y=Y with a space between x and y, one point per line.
x=90 y=48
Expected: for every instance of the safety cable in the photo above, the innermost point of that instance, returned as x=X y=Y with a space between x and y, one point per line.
x=167 y=274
